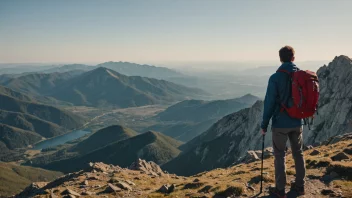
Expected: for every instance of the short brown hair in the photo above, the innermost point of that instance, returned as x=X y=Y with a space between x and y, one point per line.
x=286 y=53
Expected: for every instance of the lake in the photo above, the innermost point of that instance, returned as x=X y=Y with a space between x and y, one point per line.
x=62 y=139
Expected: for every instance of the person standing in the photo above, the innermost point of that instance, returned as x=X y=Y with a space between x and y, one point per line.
x=284 y=127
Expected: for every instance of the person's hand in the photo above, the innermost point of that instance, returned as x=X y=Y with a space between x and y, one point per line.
x=263 y=131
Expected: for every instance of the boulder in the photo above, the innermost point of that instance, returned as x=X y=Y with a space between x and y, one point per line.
x=314 y=152
x=348 y=151
x=113 y=188
x=196 y=180
x=339 y=157
x=101 y=167
x=166 y=189
x=70 y=192
x=250 y=157
x=149 y=168
x=124 y=185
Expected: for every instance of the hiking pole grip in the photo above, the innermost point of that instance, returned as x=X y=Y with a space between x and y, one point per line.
x=261 y=177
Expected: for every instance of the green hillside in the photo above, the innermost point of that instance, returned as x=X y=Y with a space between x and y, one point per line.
x=45 y=112
x=30 y=123
x=151 y=146
x=15 y=178
x=17 y=138
x=103 y=137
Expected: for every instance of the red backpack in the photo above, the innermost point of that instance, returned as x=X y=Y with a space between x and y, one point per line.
x=305 y=94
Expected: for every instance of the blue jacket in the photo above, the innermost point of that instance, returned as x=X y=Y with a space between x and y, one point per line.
x=279 y=90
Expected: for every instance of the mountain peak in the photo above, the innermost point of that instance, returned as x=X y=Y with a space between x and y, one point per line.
x=341 y=60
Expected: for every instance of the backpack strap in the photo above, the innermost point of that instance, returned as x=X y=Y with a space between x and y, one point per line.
x=283 y=106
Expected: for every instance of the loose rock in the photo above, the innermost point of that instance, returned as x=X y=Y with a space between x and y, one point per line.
x=314 y=152
x=124 y=185
x=70 y=192
x=113 y=188
x=340 y=156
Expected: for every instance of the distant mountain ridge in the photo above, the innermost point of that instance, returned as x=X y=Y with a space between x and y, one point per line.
x=125 y=68
x=187 y=119
x=103 y=86
x=200 y=110
x=133 y=69
x=38 y=83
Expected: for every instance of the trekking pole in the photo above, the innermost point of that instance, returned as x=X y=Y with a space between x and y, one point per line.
x=261 y=177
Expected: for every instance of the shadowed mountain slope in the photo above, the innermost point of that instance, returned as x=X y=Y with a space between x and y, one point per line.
x=28 y=122
x=104 y=137
x=17 y=138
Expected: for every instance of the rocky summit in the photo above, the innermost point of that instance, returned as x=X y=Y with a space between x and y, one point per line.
x=335 y=103
x=327 y=176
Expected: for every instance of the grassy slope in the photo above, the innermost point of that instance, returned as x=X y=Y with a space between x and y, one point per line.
x=151 y=146
x=14 y=178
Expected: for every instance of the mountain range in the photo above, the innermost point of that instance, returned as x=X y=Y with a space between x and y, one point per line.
x=125 y=68
x=103 y=87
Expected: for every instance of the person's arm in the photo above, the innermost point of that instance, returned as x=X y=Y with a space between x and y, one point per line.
x=269 y=104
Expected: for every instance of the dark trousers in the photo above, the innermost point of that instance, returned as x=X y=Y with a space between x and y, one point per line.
x=280 y=136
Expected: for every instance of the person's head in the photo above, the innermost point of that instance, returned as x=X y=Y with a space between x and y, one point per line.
x=287 y=54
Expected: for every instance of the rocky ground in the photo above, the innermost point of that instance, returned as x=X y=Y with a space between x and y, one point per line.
x=329 y=174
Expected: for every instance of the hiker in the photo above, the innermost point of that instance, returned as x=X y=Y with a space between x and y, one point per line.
x=283 y=125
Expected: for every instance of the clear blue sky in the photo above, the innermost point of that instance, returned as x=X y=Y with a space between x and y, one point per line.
x=183 y=30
